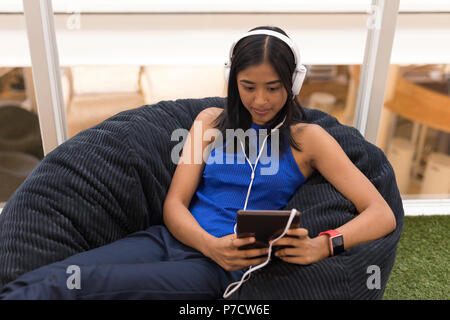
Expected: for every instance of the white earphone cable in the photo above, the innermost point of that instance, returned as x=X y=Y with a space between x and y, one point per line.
x=256 y=162
x=236 y=285
x=252 y=167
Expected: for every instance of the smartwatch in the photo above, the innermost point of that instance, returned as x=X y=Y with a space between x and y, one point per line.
x=336 y=241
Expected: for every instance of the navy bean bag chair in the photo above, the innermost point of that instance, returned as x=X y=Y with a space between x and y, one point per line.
x=111 y=180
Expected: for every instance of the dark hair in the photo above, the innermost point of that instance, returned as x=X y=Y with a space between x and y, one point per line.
x=251 y=51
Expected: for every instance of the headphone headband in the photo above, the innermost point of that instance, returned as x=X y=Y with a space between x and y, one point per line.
x=275 y=34
x=300 y=70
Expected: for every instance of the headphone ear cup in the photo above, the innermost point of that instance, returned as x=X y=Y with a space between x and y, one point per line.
x=297 y=80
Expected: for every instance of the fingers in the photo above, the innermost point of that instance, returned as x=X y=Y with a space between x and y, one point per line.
x=253 y=253
x=236 y=258
x=246 y=258
x=292 y=255
x=298 y=232
x=232 y=257
x=253 y=262
x=239 y=242
x=287 y=241
x=251 y=257
x=296 y=260
x=293 y=237
x=287 y=252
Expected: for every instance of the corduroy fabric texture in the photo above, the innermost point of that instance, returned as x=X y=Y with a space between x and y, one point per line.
x=111 y=180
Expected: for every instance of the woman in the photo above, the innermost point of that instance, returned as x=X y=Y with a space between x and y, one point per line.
x=259 y=92
x=198 y=254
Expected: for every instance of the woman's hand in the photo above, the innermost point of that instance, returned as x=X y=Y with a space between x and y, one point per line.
x=304 y=249
x=225 y=252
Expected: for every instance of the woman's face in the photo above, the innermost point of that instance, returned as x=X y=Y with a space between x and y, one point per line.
x=262 y=92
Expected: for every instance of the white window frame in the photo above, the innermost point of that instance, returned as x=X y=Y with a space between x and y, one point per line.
x=46 y=73
x=43 y=49
x=374 y=70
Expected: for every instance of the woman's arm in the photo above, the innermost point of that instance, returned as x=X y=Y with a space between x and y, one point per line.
x=185 y=180
x=375 y=218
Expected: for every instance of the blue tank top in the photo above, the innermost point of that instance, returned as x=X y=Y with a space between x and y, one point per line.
x=226 y=177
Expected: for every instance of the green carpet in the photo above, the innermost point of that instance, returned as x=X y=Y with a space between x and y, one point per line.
x=422 y=264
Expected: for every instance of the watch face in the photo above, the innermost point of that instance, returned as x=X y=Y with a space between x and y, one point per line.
x=337 y=241
x=338 y=244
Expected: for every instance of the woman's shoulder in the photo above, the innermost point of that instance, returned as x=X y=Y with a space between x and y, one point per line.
x=307 y=132
x=314 y=140
x=302 y=133
x=309 y=137
x=210 y=113
x=208 y=116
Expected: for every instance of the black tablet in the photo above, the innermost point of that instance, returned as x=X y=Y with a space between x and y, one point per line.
x=264 y=225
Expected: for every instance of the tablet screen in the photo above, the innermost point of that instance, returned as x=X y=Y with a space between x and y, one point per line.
x=264 y=225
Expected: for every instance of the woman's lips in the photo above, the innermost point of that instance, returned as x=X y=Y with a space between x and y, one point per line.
x=261 y=112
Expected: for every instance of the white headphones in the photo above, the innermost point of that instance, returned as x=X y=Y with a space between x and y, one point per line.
x=300 y=70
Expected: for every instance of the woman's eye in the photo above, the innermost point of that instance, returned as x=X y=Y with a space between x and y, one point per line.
x=269 y=89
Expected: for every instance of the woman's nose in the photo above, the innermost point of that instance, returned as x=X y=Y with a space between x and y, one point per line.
x=260 y=98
